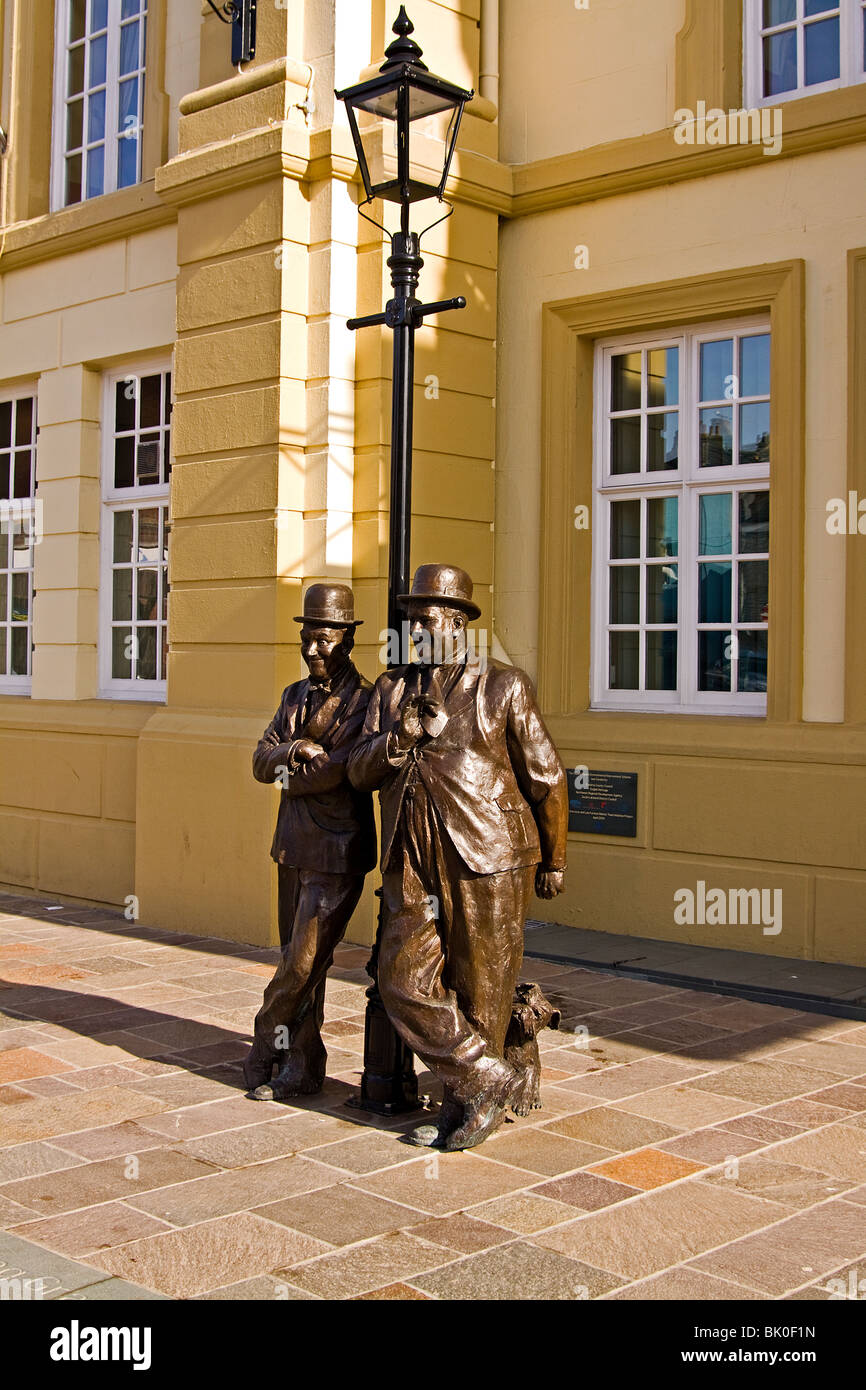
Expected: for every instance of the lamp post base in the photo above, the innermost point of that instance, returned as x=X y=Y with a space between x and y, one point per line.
x=389 y=1085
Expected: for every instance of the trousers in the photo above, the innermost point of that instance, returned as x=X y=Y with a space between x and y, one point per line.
x=450 y=948
x=314 y=910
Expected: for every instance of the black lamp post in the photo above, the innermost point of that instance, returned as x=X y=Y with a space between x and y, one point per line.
x=403 y=91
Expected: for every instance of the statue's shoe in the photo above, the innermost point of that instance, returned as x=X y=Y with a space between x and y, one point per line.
x=484 y=1113
x=295 y=1079
x=434 y=1136
x=259 y=1064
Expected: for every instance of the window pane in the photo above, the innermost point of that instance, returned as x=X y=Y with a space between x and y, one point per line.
x=822 y=51
x=127 y=161
x=717 y=369
x=129 y=7
x=166 y=404
x=779 y=12
x=755 y=433
x=662 y=528
x=127 y=109
x=146 y=668
x=716 y=439
x=129 y=48
x=625 y=594
x=96 y=116
x=820 y=6
x=752 y=674
x=75 y=71
x=24 y=420
x=714 y=661
x=780 y=62
x=122 y=538
x=77 y=14
x=96 y=73
x=20 y=597
x=625 y=382
x=3 y=639
x=754 y=523
x=624 y=659
x=20 y=648
x=754 y=582
x=663 y=432
x=625 y=445
x=124 y=466
x=73 y=179
x=121 y=653
x=715 y=524
x=124 y=404
x=661 y=593
x=23 y=482
x=22 y=549
x=121 y=595
x=147 y=597
x=95 y=171
x=715 y=592
x=150 y=401
x=4 y=617
x=148 y=460
x=74 y=124
x=5 y=489
x=148 y=535
x=755 y=365
x=663 y=376
x=98 y=14
x=5 y=424
x=661 y=661
x=625 y=530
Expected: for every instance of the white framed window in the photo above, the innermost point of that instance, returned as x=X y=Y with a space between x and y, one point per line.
x=793 y=48
x=133 y=641
x=681 y=539
x=19 y=532
x=99 y=66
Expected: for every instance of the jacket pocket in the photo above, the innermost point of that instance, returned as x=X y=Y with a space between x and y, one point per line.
x=511 y=801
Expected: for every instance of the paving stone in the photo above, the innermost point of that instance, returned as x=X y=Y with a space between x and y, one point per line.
x=772 y=1176
x=240 y=1189
x=92 y=1228
x=684 y=1284
x=611 y=1128
x=103 y=1181
x=264 y=1288
x=209 y=1255
x=540 y=1151
x=340 y=1214
x=764 y=1082
x=586 y=1191
x=362 y=1268
x=839 y=1150
x=683 y=1106
x=664 y=1228
x=646 y=1168
x=518 y=1272
x=524 y=1212
x=465 y=1233
x=20 y=1063
x=790 y=1253
x=443 y=1183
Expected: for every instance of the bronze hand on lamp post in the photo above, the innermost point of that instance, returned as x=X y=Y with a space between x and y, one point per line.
x=402 y=92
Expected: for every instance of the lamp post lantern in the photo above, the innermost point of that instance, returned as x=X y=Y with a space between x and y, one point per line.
x=402 y=93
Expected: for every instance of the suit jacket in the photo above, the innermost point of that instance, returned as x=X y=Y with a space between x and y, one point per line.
x=323 y=821
x=493 y=773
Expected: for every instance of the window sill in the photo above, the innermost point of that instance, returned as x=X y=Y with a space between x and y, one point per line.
x=86 y=224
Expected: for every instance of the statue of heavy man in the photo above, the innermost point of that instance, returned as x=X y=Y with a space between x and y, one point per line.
x=325 y=842
x=474 y=813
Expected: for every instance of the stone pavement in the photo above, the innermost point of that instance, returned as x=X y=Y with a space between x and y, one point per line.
x=691 y=1145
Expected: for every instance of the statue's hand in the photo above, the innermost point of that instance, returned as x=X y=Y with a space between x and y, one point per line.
x=549 y=883
x=409 y=730
x=306 y=750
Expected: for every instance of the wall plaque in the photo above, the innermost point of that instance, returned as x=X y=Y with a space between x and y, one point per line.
x=606 y=806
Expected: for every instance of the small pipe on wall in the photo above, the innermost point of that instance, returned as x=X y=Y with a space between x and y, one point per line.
x=488 y=82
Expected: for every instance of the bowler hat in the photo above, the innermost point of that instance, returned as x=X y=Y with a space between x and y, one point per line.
x=331 y=605
x=444 y=584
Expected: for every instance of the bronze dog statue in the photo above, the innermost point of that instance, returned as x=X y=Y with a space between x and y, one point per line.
x=530 y=1013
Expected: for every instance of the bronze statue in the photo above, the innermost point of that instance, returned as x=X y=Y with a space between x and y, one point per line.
x=474 y=812
x=325 y=842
